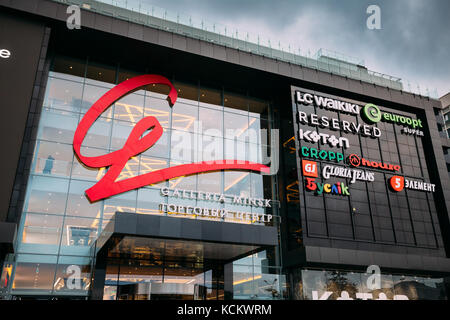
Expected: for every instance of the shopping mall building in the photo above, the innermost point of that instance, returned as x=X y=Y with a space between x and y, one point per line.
x=146 y=158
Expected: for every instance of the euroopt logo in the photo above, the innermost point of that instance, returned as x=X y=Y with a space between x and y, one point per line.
x=372 y=114
x=144 y=135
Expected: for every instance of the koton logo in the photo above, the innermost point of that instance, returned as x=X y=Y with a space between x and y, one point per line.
x=310 y=168
x=356 y=161
x=144 y=135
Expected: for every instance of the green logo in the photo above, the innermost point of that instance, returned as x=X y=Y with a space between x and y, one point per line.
x=371 y=113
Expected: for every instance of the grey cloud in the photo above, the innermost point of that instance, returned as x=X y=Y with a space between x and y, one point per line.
x=414 y=41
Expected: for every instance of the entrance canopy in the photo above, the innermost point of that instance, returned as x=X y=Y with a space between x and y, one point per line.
x=130 y=236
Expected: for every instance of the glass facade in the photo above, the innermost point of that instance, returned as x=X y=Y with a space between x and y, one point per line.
x=310 y=284
x=59 y=224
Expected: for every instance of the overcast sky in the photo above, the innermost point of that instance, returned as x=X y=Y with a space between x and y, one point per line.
x=413 y=43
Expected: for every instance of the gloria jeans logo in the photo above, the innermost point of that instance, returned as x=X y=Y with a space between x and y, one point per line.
x=138 y=141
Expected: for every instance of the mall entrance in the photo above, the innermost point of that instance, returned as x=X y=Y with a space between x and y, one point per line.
x=157 y=269
x=146 y=257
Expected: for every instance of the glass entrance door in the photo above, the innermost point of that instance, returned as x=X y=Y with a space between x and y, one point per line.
x=133 y=279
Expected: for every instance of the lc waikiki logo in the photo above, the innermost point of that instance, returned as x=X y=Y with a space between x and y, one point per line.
x=139 y=141
x=310 y=169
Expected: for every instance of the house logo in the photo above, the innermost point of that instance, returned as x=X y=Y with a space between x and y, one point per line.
x=142 y=137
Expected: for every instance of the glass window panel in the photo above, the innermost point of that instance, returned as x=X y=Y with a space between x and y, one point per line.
x=407 y=286
x=150 y=164
x=183 y=182
x=130 y=108
x=124 y=202
x=161 y=147
x=68 y=68
x=41 y=233
x=236 y=127
x=78 y=235
x=120 y=132
x=184 y=117
x=91 y=95
x=37 y=276
x=80 y=171
x=158 y=108
x=73 y=276
x=314 y=283
x=47 y=195
x=211 y=122
x=148 y=201
x=211 y=148
x=57 y=126
x=63 y=94
x=53 y=158
x=210 y=182
x=183 y=146
x=78 y=204
x=99 y=133
x=237 y=183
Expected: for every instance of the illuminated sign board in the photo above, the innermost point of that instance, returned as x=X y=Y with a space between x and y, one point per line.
x=143 y=136
x=327 y=103
x=216 y=213
x=398 y=183
x=320 y=188
x=372 y=114
x=357 y=161
x=352 y=174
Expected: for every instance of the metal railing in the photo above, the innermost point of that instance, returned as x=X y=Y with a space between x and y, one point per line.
x=324 y=60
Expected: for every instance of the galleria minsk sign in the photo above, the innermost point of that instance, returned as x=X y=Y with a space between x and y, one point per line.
x=139 y=141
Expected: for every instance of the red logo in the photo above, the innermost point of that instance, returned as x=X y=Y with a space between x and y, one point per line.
x=309 y=168
x=356 y=161
x=397 y=183
x=137 y=143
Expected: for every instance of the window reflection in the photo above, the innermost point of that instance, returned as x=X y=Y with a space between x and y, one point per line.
x=78 y=235
x=43 y=230
x=77 y=203
x=47 y=195
x=158 y=108
x=63 y=94
x=130 y=108
x=34 y=272
x=53 y=158
x=57 y=126
x=184 y=116
x=91 y=95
